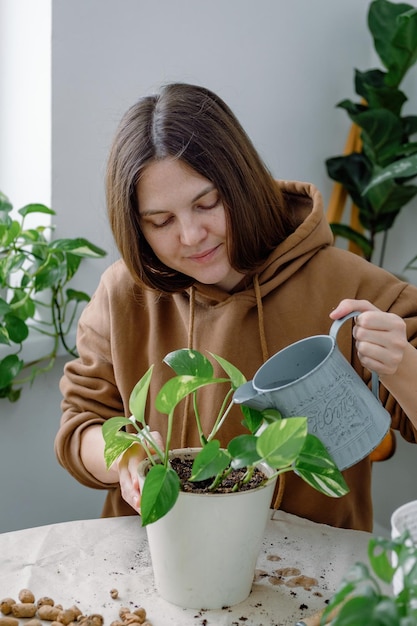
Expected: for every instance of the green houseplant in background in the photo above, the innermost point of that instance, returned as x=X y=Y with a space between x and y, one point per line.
x=34 y=273
x=205 y=529
x=377 y=177
x=365 y=597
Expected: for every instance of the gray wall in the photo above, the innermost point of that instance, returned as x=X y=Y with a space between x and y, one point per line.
x=282 y=66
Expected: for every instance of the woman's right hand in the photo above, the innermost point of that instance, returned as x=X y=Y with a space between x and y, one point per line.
x=127 y=466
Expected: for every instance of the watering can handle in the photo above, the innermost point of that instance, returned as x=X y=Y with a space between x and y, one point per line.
x=334 y=329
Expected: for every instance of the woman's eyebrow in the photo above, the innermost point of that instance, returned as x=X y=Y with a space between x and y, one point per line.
x=200 y=194
x=203 y=192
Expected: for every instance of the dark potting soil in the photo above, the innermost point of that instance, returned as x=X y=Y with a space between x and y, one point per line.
x=183 y=469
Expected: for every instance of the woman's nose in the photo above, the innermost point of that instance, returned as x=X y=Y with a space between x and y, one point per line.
x=192 y=232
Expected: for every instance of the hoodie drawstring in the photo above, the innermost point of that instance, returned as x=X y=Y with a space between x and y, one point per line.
x=190 y=344
x=281 y=482
x=261 y=324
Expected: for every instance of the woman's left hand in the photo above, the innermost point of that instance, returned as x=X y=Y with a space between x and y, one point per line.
x=380 y=337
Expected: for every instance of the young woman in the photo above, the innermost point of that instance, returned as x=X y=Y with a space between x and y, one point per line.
x=217 y=256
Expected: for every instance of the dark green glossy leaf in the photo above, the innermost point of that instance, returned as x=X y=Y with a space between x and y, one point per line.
x=160 y=493
x=252 y=419
x=381 y=131
x=353 y=171
x=10 y=367
x=77 y=296
x=16 y=328
x=243 y=451
x=10 y=392
x=410 y=124
x=209 y=462
x=388 y=205
x=347 y=232
x=403 y=168
x=186 y=362
x=394 y=30
x=372 y=87
x=404 y=150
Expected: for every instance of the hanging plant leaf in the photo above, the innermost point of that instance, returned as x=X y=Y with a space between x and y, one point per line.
x=35 y=208
x=10 y=367
x=17 y=330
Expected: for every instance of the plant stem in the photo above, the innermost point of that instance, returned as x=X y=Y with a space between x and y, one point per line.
x=151 y=443
x=219 y=478
x=169 y=435
x=198 y=420
x=221 y=416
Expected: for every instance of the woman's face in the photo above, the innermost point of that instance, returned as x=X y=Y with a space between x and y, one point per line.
x=183 y=220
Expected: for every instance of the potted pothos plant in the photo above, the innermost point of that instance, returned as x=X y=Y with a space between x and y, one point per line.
x=35 y=298
x=377 y=175
x=367 y=595
x=196 y=572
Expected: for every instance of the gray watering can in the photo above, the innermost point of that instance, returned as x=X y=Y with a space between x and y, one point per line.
x=312 y=378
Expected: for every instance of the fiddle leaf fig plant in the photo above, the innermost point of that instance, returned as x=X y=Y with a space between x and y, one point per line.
x=377 y=176
x=362 y=600
x=283 y=444
x=34 y=273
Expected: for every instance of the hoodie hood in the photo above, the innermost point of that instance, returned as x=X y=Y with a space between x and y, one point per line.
x=312 y=234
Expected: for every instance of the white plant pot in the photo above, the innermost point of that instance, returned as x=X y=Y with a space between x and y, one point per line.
x=204 y=551
x=404 y=518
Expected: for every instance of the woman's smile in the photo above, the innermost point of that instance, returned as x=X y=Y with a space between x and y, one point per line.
x=183 y=220
x=204 y=257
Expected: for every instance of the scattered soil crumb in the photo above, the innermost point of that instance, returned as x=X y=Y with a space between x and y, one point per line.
x=302 y=581
x=287 y=571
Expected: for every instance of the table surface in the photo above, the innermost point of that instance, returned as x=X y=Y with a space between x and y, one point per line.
x=300 y=565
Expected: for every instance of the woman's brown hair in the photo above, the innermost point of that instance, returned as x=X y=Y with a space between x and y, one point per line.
x=193 y=124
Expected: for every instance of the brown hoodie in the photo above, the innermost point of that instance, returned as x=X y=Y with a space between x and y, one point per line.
x=125 y=329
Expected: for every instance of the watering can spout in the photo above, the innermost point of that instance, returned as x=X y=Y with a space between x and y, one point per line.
x=247 y=394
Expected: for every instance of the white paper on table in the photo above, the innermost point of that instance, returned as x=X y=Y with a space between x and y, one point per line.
x=80 y=562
